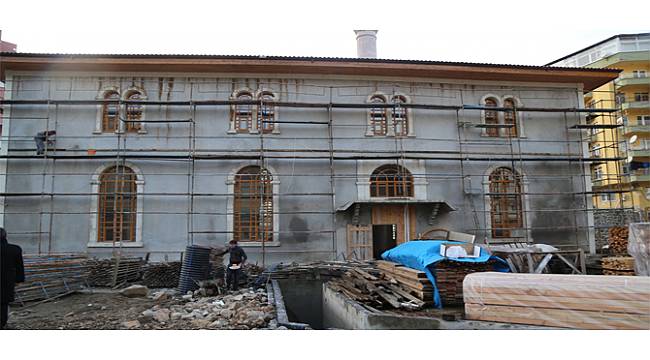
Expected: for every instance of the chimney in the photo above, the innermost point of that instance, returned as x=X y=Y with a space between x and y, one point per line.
x=366 y=43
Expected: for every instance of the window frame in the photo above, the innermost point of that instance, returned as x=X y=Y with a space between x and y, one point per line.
x=392 y=188
x=95 y=208
x=501 y=201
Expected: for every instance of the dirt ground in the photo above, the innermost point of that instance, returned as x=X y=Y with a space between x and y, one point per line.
x=96 y=311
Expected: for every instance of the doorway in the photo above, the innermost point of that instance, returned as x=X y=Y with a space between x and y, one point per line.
x=384 y=237
x=402 y=217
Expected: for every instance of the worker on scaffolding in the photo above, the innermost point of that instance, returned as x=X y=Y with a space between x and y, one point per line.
x=235 y=264
x=11 y=258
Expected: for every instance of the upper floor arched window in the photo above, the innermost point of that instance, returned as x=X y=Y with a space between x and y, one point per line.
x=111 y=112
x=378 y=121
x=133 y=112
x=391 y=181
x=400 y=116
x=491 y=117
x=243 y=113
x=266 y=112
x=510 y=117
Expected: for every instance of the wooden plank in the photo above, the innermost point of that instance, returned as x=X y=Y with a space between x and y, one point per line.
x=543 y=263
x=553 y=317
x=623 y=306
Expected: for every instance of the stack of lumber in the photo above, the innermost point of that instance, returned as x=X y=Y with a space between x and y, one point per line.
x=618 y=240
x=217 y=268
x=449 y=279
x=115 y=271
x=373 y=292
x=161 y=275
x=316 y=270
x=48 y=276
x=618 y=265
x=414 y=281
x=569 y=301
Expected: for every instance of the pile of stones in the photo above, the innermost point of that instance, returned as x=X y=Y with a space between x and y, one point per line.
x=241 y=310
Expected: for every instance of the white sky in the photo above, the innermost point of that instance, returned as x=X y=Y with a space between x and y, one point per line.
x=495 y=31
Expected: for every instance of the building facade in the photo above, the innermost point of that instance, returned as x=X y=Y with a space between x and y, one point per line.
x=623 y=136
x=297 y=158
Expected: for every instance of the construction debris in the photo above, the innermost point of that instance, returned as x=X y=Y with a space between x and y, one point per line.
x=242 y=310
x=618 y=239
x=571 y=301
x=618 y=265
x=161 y=275
x=374 y=292
x=135 y=291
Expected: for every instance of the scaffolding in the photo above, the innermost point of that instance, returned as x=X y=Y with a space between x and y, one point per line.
x=333 y=148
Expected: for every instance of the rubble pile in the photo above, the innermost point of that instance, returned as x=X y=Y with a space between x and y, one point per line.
x=241 y=310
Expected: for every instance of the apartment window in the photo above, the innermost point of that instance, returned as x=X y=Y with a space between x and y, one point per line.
x=505 y=202
x=243 y=113
x=643 y=120
x=253 y=205
x=400 y=116
x=266 y=113
x=117 y=205
x=111 y=112
x=639 y=73
x=391 y=181
x=641 y=96
x=598 y=173
x=607 y=197
x=133 y=112
x=595 y=150
x=378 y=116
x=510 y=117
x=491 y=117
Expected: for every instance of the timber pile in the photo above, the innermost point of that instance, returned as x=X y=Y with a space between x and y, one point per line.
x=161 y=275
x=315 y=270
x=618 y=240
x=414 y=281
x=569 y=301
x=374 y=292
x=102 y=273
x=449 y=279
x=618 y=265
x=48 y=276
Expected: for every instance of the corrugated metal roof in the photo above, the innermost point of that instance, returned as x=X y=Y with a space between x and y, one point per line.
x=297 y=58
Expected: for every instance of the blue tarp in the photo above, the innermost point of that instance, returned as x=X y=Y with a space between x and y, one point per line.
x=424 y=254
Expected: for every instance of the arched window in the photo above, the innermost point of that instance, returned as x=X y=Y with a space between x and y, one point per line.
x=400 y=116
x=378 y=125
x=243 y=113
x=133 y=112
x=491 y=117
x=253 y=210
x=391 y=181
x=266 y=113
x=110 y=112
x=510 y=117
x=117 y=205
x=505 y=202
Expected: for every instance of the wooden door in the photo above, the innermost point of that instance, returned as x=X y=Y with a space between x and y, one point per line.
x=402 y=216
x=359 y=242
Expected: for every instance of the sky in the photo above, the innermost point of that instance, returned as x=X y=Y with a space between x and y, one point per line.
x=494 y=31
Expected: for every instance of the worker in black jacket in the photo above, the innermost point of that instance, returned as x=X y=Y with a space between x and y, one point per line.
x=11 y=257
x=237 y=259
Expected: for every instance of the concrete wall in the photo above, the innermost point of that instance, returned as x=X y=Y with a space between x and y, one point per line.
x=306 y=229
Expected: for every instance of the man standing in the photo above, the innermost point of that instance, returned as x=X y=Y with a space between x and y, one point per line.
x=13 y=272
x=237 y=259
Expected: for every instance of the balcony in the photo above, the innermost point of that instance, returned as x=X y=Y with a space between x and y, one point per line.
x=636 y=105
x=639 y=153
x=640 y=176
x=631 y=81
x=636 y=129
